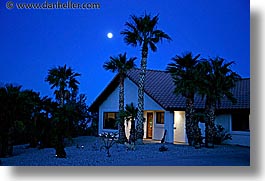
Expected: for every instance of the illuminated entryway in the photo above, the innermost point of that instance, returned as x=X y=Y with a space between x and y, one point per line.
x=179 y=127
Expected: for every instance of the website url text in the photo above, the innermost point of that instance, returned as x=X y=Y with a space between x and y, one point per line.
x=53 y=5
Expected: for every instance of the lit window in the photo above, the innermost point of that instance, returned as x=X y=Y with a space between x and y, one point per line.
x=109 y=120
x=160 y=118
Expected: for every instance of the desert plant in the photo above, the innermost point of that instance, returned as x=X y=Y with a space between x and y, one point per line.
x=221 y=135
x=109 y=139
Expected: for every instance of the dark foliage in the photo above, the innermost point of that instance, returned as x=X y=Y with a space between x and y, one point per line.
x=26 y=118
x=221 y=135
x=163 y=148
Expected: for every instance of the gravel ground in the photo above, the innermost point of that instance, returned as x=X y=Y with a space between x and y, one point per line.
x=143 y=155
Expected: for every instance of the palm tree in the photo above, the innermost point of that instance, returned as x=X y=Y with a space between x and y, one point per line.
x=64 y=79
x=143 y=32
x=121 y=65
x=60 y=120
x=216 y=82
x=184 y=74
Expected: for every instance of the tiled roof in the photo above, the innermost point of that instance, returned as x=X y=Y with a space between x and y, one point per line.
x=160 y=87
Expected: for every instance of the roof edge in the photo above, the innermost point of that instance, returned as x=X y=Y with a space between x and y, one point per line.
x=105 y=93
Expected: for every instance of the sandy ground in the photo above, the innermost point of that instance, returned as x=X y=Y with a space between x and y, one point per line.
x=88 y=153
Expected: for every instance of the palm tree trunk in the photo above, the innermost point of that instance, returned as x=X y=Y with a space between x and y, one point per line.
x=60 y=152
x=121 y=126
x=59 y=147
x=197 y=136
x=140 y=113
x=209 y=125
x=62 y=98
x=189 y=116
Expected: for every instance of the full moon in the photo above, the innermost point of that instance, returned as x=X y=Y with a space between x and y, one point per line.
x=109 y=35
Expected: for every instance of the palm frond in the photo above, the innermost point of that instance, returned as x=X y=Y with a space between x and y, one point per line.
x=120 y=63
x=217 y=80
x=184 y=73
x=143 y=31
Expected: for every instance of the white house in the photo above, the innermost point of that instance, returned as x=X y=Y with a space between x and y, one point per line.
x=163 y=110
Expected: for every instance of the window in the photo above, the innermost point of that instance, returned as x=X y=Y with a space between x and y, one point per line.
x=160 y=118
x=240 y=121
x=109 y=120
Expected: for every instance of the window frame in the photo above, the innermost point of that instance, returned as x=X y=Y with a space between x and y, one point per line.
x=159 y=117
x=110 y=127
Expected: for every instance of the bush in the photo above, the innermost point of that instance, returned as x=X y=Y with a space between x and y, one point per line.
x=221 y=135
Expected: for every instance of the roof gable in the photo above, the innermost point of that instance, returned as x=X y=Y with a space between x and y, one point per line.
x=104 y=94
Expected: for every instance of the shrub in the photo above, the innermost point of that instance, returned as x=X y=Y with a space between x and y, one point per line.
x=109 y=139
x=221 y=135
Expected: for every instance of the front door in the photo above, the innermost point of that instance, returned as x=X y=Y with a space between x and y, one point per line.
x=150 y=118
x=179 y=126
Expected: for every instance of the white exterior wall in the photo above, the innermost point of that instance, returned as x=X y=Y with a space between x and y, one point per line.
x=111 y=104
x=224 y=120
x=158 y=131
x=238 y=137
x=174 y=121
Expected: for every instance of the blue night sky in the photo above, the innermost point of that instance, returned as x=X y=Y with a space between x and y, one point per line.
x=33 y=41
